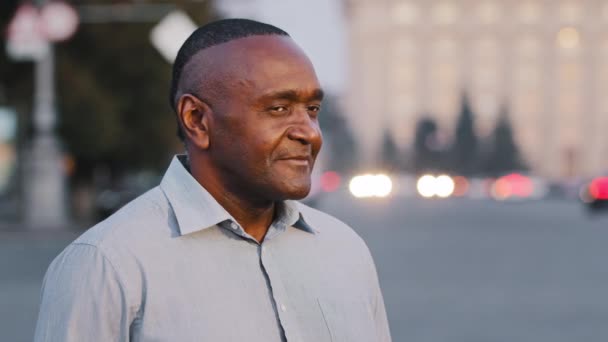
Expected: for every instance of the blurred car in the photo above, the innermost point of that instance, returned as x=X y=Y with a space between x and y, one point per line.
x=112 y=198
x=595 y=194
x=519 y=187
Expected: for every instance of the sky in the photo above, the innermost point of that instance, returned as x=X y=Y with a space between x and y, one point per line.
x=318 y=26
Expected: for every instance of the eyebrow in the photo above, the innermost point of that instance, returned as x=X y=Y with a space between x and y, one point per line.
x=294 y=95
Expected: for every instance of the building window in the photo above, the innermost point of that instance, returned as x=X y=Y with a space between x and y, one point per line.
x=527 y=76
x=404 y=76
x=569 y=103
x=445 y=46
x=570 y=75
x=404 y=46
x=488 y=12
x=604 y=48
x=604 y=12
x=405 y=13
x=569 y=89
x=570 y=12
x=602 y=76
x=405 y=72
x=487 y=104
x=486 y=76
x=568 y=38
x=529 y=47
x=404 y=104
x=445 y=13
x=486 y=47
x=529 y=12
x=527 y=105
x=445 y=73
x=444 y=103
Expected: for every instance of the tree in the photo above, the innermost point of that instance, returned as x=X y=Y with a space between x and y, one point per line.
x=112 y=90
x=503 y=155
x=464 y=156
x=339 y=142
x=390 y=152
x=426 y=154
x=114 y=118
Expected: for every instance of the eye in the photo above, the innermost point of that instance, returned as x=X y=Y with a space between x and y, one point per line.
x=314 y=109
x=279 y=109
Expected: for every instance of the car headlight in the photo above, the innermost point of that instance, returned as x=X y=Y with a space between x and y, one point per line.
x=442 y=186
x=369 y=185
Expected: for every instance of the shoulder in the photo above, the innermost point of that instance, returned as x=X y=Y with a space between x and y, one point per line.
x=130 y=235
x=146 y=215
x=110 y=252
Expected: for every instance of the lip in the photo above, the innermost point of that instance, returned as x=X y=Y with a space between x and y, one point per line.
x=298 y=160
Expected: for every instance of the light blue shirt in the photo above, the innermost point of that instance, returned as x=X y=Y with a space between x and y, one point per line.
x=173 y=265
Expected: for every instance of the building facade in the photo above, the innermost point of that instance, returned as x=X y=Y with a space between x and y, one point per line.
x=546 y=60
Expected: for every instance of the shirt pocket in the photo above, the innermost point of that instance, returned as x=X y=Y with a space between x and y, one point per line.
x=348 y=320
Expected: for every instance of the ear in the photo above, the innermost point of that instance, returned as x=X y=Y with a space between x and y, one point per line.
x=194 y=116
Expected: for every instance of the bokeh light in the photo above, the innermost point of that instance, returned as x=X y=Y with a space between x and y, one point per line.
x=461 y=186
x=568 y=38
x=444 y=186
x=330 y=181
x=369 y=185
x=426 y=186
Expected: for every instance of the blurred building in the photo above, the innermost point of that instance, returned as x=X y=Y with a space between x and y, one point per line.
x=547 y=60
x=324 y=42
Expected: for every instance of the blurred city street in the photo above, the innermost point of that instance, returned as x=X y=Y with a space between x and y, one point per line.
x=451 y=270
x=475 y=132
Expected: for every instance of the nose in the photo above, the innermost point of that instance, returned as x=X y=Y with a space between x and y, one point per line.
x=305 y=130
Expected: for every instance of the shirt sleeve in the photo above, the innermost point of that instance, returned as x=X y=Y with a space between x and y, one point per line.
x=382 y=328
x=381 y=320
x=82 y=299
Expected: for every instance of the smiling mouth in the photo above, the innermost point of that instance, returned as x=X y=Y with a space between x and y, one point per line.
x=298 y=161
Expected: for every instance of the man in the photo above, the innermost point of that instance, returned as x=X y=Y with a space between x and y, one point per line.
x=219 y=251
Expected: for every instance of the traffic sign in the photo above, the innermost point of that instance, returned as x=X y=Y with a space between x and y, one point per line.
x=58 y=21
x=32 y=29
x=171 y=32
x=25 y=40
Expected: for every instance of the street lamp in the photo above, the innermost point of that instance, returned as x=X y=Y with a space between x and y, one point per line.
x=31 y=34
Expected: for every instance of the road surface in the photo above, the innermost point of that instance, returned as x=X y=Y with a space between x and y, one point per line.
x=451 y=270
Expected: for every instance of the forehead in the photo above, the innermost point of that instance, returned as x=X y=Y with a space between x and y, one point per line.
x=262 y=63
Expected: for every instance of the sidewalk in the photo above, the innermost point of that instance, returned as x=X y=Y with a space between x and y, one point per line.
x=25 y=255
x=13 y=228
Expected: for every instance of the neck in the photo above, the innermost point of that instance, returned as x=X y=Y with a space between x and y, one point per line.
x=254 y=215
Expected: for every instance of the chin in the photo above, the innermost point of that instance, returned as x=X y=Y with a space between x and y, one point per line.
x=296 y=191
x=288 y=187
x=299 y=194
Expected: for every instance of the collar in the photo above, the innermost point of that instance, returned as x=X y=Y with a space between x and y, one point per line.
x=195 y=209
x=291 y=216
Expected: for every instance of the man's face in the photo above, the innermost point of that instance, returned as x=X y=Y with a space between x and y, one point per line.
x=265 y=133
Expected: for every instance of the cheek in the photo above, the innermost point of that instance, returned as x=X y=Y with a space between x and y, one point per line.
x=256 y=152
x=233 y=150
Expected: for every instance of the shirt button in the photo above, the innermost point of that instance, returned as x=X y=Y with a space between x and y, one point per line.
x=234 y=226
x=283 y=307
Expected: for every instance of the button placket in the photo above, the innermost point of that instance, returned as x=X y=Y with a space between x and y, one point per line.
x=236 y=229
x=288 y=321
